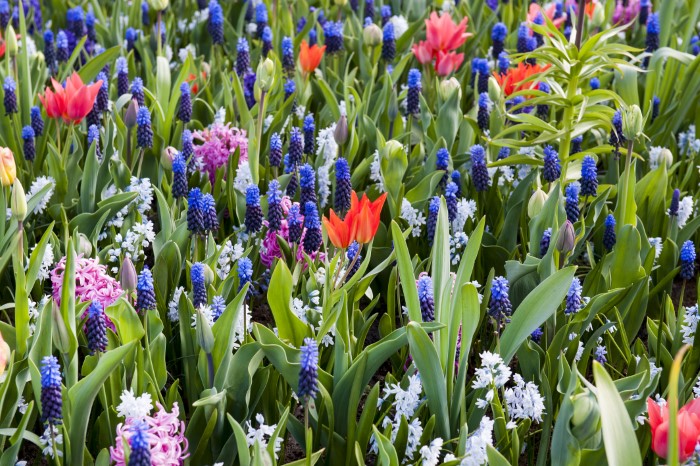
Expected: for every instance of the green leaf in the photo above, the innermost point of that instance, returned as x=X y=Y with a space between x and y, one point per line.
x=290 y=327
x=403 y=260
x=83 y=394
x=621 y=447
x=387 y=452
x=538 y=306
x=92 y=68
x=427 y=361
x=495 y=458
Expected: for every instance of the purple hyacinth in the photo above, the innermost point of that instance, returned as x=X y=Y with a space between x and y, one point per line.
x=245 y=272
x=431 y=221
x=275 y=212
x=343 y=186
x=253 y=211
x=687 y=257
x=29 y=148
x=425 y=298
x=498 y=36
x=242 y=57
x=215 y=23
x=552 y=169
x=96 y=328
x=145 y=293
x=295 y=221
x=480 y=174
x=500 y=307
x=609 y=236
x=308 y=370
x=195 y=216
x=571 y=202
x=51 y=401
x=144 y=132
x=313 y=236
x=544 y=242
x=589 y=177
x=199 y=287
x=179 y=176
x=184 y=109
x=10 y=100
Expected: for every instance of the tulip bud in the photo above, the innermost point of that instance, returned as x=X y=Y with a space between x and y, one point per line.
x=392 y=149
x=208 y=275
x=8 y=169
x=11 y=45
x=585 y=421
x=566 y=238
x=130 y=115
x=341 y=131
x=536 y=203
x=205 y=337
x=598 y=16
x=632 y=122
x=495 y=91
x=266 y=75
x=19 y=201
x=158 y=5
x=84 y=245
x=128 y=277
x=372 y=35
x=5 y=354
x=61 y=339
x=666 y=156
x=167 y=156
x=447 y=87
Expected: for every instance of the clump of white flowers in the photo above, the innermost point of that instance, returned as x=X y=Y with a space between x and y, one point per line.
x=690 y=324
x=262 y=434
x=413 y=217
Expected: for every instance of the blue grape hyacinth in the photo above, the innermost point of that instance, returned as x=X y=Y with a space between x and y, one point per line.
x=687 y=257
x=552 y=167
x=145 y=293
x=199 y=287
x=51 y=401
x=500 y=307
x=609 y=236
x=425 y=297
x=308 y=371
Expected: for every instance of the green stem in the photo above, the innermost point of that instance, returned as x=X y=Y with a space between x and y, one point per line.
x=255 y=163
x=308 y=435
x=622 y=203
x=565 y=145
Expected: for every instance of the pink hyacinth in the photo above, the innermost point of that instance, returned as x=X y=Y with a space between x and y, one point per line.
x=92 y=283
x=219 y=142
x=166 y=437
x=625 y=14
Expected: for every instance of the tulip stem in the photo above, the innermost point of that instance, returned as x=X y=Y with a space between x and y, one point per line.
x=336 y=273
x=128 y=148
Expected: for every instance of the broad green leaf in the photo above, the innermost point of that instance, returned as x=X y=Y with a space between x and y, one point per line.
x=403 y=260
x=290 y=327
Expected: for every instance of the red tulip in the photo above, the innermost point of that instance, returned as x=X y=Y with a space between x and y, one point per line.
x=443 y=34
x=688 y=421
x=423 y=52
x=448 y=63
x=71 y=103
x=518 y=79
x=365 y=215
x=340 y=232
x=310 y=57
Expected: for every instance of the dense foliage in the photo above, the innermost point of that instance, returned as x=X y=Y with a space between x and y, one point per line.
x=346 y=232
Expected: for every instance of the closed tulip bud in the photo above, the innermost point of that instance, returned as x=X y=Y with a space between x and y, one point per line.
x=393 y=110
x=208 y=275
x=598 y=16
x=205 y=337
x=167 y=156
x=61 y=339
x=372 y=35
x=11 y=45
x=130 y=115
x=585 y=421
x=566 y=239
x=8 y=169
x=84 y=245
x=448 y=86
x=393 y=148
x=632 y=122
x=266 y=75
x=19 y=201
x=495 y=91
x=341 y=131
x=128 y=277
x=5 y=354
x=666 y=156
x=536 y=203
x=158 y=5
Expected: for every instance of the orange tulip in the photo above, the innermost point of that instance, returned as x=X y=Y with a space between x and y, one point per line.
x=310 y=57
x=71 y=103
x=340 y=232
x=518 y=79
x=365 y=215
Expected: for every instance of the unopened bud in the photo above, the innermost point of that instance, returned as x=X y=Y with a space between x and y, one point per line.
x=566 y=239
x=11 y=45
x=585 y=421
x=19 y=201
x=84 y=246
x=341 y=130
x=448 y=86
x=632 y=122
x=666 y=156
x=128 y=277
x=167 y=156
x=130 y=115
x=536 y=203
x=266 y=74
x=208 y=275
x=372 y=35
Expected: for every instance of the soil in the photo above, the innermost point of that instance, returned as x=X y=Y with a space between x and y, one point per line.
x=31 y=454
x=690 y=294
